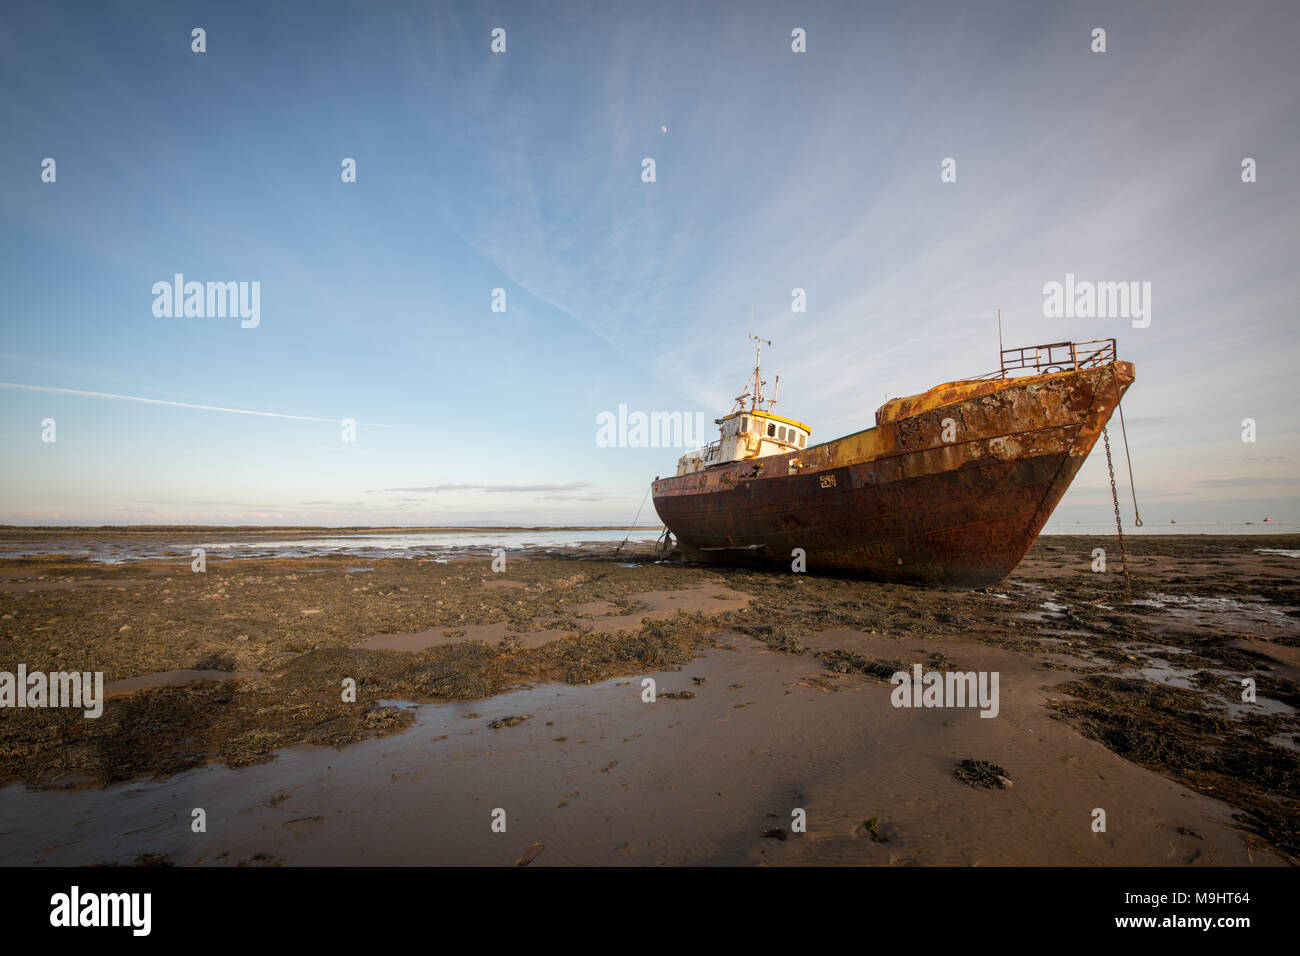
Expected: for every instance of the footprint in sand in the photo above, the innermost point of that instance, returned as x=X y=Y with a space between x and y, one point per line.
x=532 y=853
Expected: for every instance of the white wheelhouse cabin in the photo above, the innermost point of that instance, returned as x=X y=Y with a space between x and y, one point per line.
x=752 y=432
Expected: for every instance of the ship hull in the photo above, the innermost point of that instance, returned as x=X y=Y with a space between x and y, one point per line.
x=950 y=487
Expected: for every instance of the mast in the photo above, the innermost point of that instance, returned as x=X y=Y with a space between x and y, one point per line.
x=1001 y=363
x=756 y=392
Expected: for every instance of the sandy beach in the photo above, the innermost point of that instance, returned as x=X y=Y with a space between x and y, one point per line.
x=501 y=717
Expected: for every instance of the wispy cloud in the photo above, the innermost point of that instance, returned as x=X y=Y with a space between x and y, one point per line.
x=1248 y=480
x=159 y=401
x=510 y=489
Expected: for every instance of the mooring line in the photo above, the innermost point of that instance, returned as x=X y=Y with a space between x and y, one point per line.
x=1137 y=518
x=1119 y=404
x=1114 y=492
x=1119 y=527
x=634 y=520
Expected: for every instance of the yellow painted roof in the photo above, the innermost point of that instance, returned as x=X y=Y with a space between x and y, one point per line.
x=776 y=418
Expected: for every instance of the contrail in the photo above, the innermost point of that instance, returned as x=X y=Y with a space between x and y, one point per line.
x=160 y=401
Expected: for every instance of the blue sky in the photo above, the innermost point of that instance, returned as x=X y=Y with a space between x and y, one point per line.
x=522 y=171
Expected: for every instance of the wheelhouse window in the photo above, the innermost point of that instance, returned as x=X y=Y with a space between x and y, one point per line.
x=802 y=439
x=771 y=429
x=744 y=425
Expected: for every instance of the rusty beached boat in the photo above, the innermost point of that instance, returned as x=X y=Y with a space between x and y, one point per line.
x=950 y=487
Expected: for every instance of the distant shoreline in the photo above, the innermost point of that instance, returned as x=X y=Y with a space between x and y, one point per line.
x=1228 y=531
x=304 y=529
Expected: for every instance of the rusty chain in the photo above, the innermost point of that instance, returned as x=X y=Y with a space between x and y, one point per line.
x=1119 y=526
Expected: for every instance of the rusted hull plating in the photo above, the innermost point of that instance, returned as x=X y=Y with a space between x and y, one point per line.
x=899 y=503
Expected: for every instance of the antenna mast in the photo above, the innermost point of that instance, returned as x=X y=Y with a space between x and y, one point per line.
x=756 y=396
x=1001 y=365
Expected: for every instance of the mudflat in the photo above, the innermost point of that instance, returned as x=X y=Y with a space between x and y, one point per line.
x=504 y=717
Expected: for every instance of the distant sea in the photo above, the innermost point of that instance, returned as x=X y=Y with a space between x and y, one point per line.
x=423 y=544
x=102 y=547
x=1190 y=527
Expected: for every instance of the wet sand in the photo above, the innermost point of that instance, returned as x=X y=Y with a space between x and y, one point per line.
x=771 y=697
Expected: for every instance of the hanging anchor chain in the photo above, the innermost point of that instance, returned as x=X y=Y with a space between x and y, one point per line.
x=1119 y=525
x=1137 y=518
x=1114 y=492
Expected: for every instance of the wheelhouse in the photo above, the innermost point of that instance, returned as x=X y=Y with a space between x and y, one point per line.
x=749 y=432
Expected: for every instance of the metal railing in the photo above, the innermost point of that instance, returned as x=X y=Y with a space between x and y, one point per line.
x=1055 y=357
